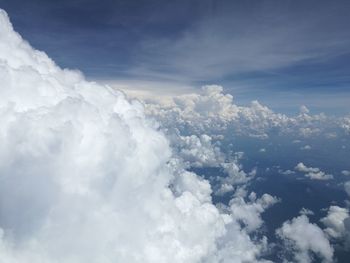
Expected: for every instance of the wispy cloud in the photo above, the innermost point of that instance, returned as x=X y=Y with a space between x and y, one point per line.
x=237 y=38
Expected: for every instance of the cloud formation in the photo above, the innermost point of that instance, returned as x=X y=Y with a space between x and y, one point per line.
x=213 y=112
x=337 y=222
x=313 y=173
x=86 y=177
x=305 y=239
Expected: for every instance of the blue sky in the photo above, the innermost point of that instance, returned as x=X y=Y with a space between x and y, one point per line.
x=283 y=53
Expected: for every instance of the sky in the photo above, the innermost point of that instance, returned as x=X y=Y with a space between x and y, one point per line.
x=283 y=53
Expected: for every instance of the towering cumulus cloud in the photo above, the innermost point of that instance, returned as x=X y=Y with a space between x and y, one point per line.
x=85 y=177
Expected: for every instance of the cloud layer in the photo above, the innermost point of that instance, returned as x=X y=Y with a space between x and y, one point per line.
x=212 y=111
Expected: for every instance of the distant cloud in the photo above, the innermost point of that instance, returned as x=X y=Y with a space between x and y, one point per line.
x=305 y=211
x=306 y=148
x=286 y=172
x=212 y=111
x=304 y=110
x=347 y=187
x=345 y=172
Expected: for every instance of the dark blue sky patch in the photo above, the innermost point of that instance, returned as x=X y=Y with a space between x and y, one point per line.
x=254 y=48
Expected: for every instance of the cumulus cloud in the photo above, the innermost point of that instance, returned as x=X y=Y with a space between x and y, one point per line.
x=313 y=173
x=304 y=110
x=248 y=212
x=305 y=211
x=306 y=147
x=213 y=112
x=235 y=174
x=305 y=240
x=197 y=151
x=86 y=177
x=200 y=151
x=345 y=172
x=347 y=187
x=345 y=124
x=337 y=222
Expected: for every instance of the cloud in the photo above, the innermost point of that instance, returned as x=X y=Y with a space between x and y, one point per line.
x=286 y=172
x=337 y=222
x=87 y=177
x=305 y=239
x=246 y=210
x=306 y=147
x=303 y=168
x=345 y=172
x=197 y=151
x=249 y=212
x=347 y=187
x=313 y=173
x=345 y=124
x=212 y=112
x=304 y=110
x=305 y=211
x=258 y=41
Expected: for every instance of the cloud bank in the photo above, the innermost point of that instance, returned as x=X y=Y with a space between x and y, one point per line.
x=213 y=112
x=86 y=177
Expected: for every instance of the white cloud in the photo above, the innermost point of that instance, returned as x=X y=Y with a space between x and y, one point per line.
x=347 y=187
x=286 y=172
x=319 y=176
x=345 y=172
x=313 y=173
x=238 y=247
x=345 y=124
x=86 y=177
x=335 y=222
x=249 y=212
x=305 y=211
x=215 y=113
x=247 y=42
x=235 y=174
x=197 y=151
x=305 y=239
x=211 y=110
x=304 y=110
x=303 y=168
x=306 y=147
